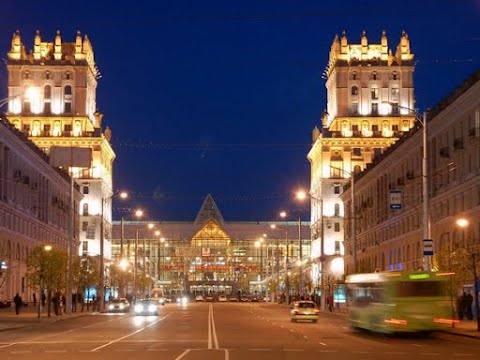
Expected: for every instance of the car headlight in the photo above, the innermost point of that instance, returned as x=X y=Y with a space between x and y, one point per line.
x=152 y=308
x=184 y=300
x=111 y=307
x=139 y=308
x=122 y=306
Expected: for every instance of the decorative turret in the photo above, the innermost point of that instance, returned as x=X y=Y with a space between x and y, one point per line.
x=78 y=46
x=364 y=43
x=57 y=53
x=384 y=44
x=37 y=46
x=344 y=43
x=16 y=49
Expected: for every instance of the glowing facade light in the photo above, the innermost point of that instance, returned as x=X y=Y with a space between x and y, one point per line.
x=157 y=233
x=462 y=222
x=151 y=226
x=273 y=226
x=47 y=247
x=123 y=264
x=257 y=244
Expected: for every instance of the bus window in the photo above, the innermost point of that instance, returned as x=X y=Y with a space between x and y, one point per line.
x=419 y=289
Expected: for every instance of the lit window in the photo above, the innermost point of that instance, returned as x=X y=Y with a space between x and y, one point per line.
x=337 y=227
x=395 y=92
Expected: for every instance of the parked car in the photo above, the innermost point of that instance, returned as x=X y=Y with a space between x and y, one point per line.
x=199 y=297
x=119 y=305
x=209 y=298
x=222 y=298
x=146 y=307
x=304 y=310
x=233 y=299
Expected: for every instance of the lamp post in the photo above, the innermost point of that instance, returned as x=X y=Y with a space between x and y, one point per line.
x=45 y=248
x=464 y=223
x=283 y=215
x=138 y=214
x=277 y=259
x=427 y=233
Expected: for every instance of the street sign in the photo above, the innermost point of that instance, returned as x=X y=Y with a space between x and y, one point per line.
x=395 y=199
x=427 y=247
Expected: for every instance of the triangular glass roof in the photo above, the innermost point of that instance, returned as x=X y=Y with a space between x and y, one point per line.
x=208 y=211
x=211 y=235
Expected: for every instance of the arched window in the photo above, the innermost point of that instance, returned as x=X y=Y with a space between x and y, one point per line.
x=354 y=90
x=67 y=90
x=357 y=169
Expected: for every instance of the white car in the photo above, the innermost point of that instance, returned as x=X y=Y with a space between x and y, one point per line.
x=199 y=298
x=222 y=298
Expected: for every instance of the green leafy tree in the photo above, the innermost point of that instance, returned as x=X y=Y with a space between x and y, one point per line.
x=119 y=278
x=50 y=265
x=85 y=271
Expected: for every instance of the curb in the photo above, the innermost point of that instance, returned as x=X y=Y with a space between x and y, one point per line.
x=458 y=333
x=37 y=322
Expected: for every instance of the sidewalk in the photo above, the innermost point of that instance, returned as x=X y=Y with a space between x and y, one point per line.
x=28 y=317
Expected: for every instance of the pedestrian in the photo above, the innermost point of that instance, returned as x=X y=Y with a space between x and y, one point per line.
x=330 y=302
x=44 y=299
x=18 y=303
x=468 y=306
x=460 y=306
x=34 y=299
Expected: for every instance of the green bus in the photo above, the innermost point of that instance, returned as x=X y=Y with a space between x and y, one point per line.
x=392 y=302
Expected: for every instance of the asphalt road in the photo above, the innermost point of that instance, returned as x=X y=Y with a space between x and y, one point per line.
x=221 y=331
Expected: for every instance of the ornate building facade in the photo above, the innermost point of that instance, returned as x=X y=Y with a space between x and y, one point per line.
x=34 y=208
x=392 y=239
x=52 y=91
x=369 y=89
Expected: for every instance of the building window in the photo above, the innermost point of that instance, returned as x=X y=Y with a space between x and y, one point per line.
x=394 y=127
x=47 y=92
x=337 y=227
x=337 y=209
x=374 y=128
x=84 y=225
x=335 y=172
x=354 y=76
x=47 y=108
x=357 y=151
x=354 y=108
x=395 y=93
x=26 y=75
x=395 y=110
x=374 y=76
x=395 y=76
x=374 y=109
x=85 y=209
x=374 y=93
x=57 y=129
x=354 y=128
x=84 y=247
x=68 y=108
x=336 y=189
x=67 y=90
x=68 y=76
x=354 y=91
x=337 y=247
x=46 y=127
x=68 y=127
x=85 y=189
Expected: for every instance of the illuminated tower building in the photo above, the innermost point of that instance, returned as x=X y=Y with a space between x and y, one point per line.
x=63 y=77
x=364 y=84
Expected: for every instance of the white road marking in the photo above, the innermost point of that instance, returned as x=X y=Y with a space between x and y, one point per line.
x=128 y=335
x=260 y=349
x=214 y=331
x=291 y=330
x=55 y=351
x=21 y=352
x=294 y=350
x=361 y=352
x=463 y=354
x=321 y=343
x=417 y=345
x=157 y=349
x=305 y=337
x=430 y=354
x=395 y=353
x=328 y=351
x=182 y=354
x=124 y=350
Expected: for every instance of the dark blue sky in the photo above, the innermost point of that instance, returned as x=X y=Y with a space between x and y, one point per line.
x=188 y=81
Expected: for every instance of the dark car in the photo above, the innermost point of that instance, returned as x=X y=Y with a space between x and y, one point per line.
x=146 y=307
x=209 y=298
x=119 y=305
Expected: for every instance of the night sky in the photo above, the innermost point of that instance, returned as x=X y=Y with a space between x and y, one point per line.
x=221 y=96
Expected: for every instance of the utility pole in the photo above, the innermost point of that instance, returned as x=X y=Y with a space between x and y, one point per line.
x=425 y=180
x=101 y=295
x=322 y=259
x=300 y=255
x=353 y=224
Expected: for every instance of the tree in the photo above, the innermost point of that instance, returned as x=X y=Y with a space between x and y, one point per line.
x=5 y=263
x=50 y=265
x=85 y=273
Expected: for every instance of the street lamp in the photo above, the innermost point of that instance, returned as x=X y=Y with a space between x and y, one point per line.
x=45 y=248
x=283 y=215
x=463 y=223
x=427 y=235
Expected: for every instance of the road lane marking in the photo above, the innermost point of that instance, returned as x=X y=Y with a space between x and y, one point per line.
x=209 y=342
x=463 y=354
x=21 y=352
x=182 y=354
x=417 y=345
x=260 y=349
x=328 y=351
x=430 y=354
x=294 y=350
x=131 y=334
x=395 y=353
x=212 y=331
x=55 y=351
x=321 y=343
